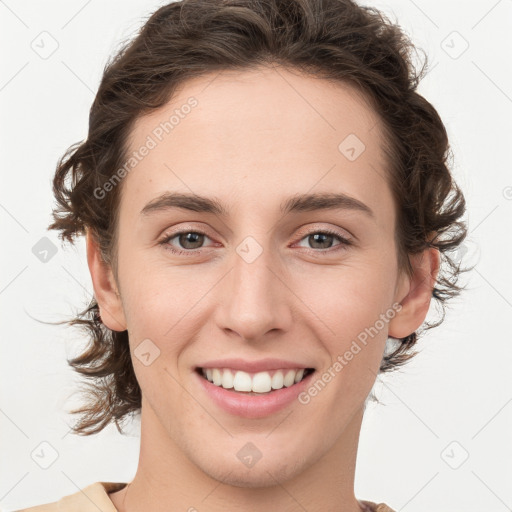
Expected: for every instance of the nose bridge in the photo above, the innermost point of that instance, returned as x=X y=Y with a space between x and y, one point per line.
x=254 y=297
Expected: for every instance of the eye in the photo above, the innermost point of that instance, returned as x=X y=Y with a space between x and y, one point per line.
x=189 y=240
x=324 y=240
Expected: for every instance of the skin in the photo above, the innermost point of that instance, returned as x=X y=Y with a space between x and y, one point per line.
x=254 y=139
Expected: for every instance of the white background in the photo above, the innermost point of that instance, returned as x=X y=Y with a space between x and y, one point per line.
x=457 y=389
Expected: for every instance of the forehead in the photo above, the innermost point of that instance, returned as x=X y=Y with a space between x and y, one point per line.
x=261 y=133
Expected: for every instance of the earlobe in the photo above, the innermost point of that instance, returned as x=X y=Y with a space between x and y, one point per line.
x=105 y=289
x=416 y=300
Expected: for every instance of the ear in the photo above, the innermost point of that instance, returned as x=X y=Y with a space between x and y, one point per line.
x=105 y=288
x=414 y=293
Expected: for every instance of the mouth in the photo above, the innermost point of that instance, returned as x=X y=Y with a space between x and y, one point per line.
x=254 y=383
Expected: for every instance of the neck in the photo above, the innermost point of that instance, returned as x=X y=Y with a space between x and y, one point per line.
x=166 y=479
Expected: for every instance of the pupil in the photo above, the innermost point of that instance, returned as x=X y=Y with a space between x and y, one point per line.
x=315 y=238
x=185 y=239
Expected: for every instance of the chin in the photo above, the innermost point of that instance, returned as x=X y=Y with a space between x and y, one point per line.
x=254 y=477
x=266 y=472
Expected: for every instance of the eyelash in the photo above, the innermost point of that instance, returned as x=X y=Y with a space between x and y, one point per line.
x=344 y=242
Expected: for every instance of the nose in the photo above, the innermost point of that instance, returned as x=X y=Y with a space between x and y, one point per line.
x=255 y=299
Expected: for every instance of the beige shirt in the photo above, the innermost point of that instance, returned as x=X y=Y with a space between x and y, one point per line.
x=95 y=497
x=92 y=498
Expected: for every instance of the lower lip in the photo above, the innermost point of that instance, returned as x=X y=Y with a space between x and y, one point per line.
x=253 y=406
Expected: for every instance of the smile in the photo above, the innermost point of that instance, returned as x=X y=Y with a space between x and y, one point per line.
x=263 y=382
x=249 y=394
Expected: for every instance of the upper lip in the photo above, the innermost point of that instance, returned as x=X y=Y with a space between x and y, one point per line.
x=260 y=365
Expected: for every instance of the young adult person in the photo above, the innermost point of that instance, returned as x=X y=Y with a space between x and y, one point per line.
x=268 y=213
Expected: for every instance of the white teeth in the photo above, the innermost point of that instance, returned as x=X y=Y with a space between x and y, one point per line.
x=217 y=376
x=227 y=379
x=261 y=382
x=242 y=381
x=289 y=378
x=299 y=375
x=277 y=380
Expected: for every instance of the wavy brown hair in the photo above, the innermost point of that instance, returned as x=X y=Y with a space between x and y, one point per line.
x=337 y=40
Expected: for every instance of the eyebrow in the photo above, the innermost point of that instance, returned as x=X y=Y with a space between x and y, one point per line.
x=295 y=204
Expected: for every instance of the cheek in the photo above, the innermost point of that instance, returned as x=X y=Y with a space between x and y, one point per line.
x=347 y=299
x=350 y=327
x=151 y=294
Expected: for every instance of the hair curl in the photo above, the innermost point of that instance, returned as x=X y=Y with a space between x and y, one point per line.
x=337 y=40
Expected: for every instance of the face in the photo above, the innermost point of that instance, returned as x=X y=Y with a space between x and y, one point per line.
x=261 y=277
